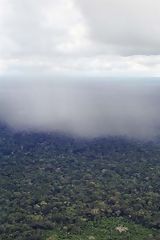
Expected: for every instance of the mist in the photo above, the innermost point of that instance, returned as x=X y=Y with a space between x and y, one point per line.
x=88 y=108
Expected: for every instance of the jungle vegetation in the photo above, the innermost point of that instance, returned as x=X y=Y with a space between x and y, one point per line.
x=54 y=186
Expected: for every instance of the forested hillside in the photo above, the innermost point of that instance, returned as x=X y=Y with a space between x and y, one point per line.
x=59 y=187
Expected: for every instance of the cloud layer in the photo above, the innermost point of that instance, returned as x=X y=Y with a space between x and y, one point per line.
x=101 y=37
x=84 y=108
x=84 y=41
x=130 y=27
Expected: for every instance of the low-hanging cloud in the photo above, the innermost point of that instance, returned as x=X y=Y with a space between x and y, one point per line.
x=83 y=108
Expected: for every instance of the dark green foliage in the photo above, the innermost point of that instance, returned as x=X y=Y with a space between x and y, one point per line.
x=50 y=181
x=106 y=229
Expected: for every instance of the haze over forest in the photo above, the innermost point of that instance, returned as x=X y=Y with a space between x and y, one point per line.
x=89 y=108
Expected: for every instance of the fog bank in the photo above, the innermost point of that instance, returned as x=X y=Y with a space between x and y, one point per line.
x=83 y=108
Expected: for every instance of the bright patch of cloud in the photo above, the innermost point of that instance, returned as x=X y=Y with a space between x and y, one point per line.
x=93 y=37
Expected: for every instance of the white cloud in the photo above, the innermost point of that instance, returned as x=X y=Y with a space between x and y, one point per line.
x=93 y=37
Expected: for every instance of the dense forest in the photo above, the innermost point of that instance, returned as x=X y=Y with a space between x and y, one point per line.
x=54 y=186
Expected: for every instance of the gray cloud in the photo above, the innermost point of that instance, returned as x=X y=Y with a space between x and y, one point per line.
x=99 y=37
x=84 y=108
x=79 y=39
x=127 y=27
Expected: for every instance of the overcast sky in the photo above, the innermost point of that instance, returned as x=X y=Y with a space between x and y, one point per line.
x=72 y=48
x=82 y=37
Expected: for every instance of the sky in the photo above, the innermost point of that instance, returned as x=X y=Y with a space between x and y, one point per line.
x=84 y=67
x=80 y=38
